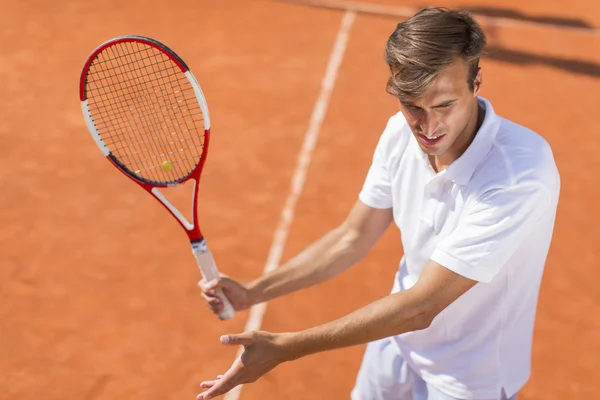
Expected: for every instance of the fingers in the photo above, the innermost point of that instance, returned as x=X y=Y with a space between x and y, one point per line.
x=223 y=384
x=212 y=300
x=209 y=294
x=219 y=387
x=242 y=339
x=209 y=384
x=209 y=286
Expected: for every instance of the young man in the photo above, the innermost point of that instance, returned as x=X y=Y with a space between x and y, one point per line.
x=475 y=198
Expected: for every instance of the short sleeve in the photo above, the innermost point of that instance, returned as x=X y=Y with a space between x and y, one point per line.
x=492 y=228
x=376 y=191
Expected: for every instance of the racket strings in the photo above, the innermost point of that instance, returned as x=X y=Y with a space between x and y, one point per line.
x=118 y=117
x=146 y=111
x=150 y=124
x=147 y=126
x=175 y=162
x=116 y=107
x=120 y=125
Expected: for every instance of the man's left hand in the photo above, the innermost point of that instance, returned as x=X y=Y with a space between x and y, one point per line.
x=263 y=351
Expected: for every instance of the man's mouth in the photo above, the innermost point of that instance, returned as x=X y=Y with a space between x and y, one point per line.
x=431 y=140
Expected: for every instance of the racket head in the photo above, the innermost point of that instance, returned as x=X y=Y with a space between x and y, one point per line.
x=145 y=110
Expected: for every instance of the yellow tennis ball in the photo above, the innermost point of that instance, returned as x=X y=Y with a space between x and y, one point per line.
x=167 y=166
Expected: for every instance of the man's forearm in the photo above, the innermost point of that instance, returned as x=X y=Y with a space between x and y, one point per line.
x=406 y=311
x=327 y=257
x=392 y=315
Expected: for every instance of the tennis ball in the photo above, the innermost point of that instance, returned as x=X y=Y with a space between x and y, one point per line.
x=166 y=166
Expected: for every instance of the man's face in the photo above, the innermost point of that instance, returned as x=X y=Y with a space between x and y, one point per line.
x=446 y=110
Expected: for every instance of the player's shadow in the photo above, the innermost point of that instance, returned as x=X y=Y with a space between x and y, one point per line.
x=519 y=57
x=516 y=15
x=502 y=54
x=524 y=58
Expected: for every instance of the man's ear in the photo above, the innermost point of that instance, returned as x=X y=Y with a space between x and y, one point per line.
x=477 y=82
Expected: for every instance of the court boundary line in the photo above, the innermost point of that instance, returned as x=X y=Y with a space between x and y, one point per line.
x=257 y=311
x=406 y=12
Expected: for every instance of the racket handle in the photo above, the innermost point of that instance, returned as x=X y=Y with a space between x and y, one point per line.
x=206 y=263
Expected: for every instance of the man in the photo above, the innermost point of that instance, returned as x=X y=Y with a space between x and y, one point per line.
x=474 y=196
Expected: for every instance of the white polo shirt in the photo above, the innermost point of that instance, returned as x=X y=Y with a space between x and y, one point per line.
x=489 y=217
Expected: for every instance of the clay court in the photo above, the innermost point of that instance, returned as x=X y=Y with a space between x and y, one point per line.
x=97 y=282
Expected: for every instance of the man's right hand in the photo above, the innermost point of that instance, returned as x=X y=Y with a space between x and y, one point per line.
x=237 y=294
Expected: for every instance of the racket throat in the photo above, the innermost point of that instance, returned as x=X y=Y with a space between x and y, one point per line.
x=192 y=229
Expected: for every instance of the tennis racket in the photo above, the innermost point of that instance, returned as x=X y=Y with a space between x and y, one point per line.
x=148 y=116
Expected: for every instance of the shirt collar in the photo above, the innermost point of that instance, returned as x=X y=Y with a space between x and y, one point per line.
x=461 y=170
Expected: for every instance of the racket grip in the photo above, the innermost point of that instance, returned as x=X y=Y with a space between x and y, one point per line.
x=206 y=263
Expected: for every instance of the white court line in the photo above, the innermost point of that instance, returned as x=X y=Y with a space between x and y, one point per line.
x=257 y=312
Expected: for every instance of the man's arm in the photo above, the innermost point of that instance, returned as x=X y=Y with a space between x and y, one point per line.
x=327 y=257
x=405 y=311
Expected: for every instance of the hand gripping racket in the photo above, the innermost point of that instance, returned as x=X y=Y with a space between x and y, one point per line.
x=148 y=115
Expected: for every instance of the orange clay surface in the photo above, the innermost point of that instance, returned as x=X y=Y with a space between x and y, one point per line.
x=98 y=296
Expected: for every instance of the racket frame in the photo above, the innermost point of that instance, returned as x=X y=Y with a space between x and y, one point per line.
x=200 y=249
